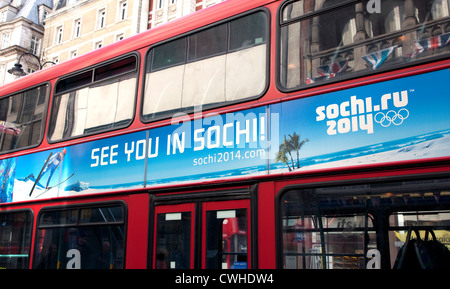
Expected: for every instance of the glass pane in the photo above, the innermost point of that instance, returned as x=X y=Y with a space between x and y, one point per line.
x=15 y=240
x=364 y=226
x=101 y=106
x=169 y=54
x=208 y=43
x=248 y=31
x=102 y=215
x=427 y=226
x=213 y=74
x=55 y=218
x=173 y=241
x=226 y=239
x=21 y=118
x=115 y=69
x=98 y=247
x=356 y=38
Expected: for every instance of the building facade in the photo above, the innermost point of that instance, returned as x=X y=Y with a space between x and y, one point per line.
x=21 y=34
x=77 y=27
x=162 y=11
x=52 y=31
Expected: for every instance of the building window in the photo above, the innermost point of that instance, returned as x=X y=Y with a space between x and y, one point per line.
x=5 y=40
x=73 y=54
x=123 y=8
x=77 y=28
x=4 y=15
x=160 y=4
x=101 y=18
x=120 y=36
x=59 y=35
x=98 y=44
x=34 y=46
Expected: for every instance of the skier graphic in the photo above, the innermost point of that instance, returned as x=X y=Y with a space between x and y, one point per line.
x=52 y=164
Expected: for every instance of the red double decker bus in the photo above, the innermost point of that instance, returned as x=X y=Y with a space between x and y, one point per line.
x=257 y=134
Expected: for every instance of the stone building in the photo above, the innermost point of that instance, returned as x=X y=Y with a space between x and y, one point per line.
x=77 y=27
x=21 y=34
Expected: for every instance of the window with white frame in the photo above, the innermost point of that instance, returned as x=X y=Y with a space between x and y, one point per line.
x=34 y=45
x=120 y=36
x=73 y=54
x=59 y=35
x=5 y=40
x=160 y=4
x=123 y=10
x=77 y=28
x=101 y=18
x=98 y=44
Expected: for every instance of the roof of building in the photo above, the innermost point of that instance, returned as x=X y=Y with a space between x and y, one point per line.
x=30 y=9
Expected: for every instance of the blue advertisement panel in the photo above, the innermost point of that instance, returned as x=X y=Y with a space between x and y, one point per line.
x=402 y=119
x=215 y=147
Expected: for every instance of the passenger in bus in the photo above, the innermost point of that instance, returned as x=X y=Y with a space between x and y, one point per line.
x=104 y=259
x=49 y=260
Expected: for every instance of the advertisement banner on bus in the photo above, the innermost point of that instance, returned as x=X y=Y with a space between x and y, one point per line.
x=397 y=120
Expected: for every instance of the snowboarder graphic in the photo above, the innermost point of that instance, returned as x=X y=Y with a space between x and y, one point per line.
x=52 y=164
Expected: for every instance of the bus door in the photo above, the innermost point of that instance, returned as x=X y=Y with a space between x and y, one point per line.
x=174 y=231
x=210 y=235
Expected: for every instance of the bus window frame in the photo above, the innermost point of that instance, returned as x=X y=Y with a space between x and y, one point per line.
x=79 y=207
x=32 y=229
x=93 y=68
x=388 y=180
x=44 y=116
x=339 y=78
x=162 y=115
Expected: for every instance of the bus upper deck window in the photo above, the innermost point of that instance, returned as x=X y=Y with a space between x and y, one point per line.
x=223 y=63
x=337 y=39
x=22 y=118
x=95 y=100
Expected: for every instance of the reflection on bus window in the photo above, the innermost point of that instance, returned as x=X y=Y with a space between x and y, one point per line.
x=15 y=240
x=365 y=226
x=81 y=238
x=226 y=239
x=220 y=64
x=173 y=241
x=94 y=101
x=22 y=118
x=319 y=43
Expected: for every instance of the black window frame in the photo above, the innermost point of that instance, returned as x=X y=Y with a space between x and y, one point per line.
x=149 y=55
x=79 y=224
x=350 y=76
x=390 y=185
x=86 y=77
x=45 y=100
x=30 y=213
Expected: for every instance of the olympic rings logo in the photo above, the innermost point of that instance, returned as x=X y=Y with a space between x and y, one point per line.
x=391 y=117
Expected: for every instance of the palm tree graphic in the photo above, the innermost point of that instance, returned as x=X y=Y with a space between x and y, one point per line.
x=287 y=148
